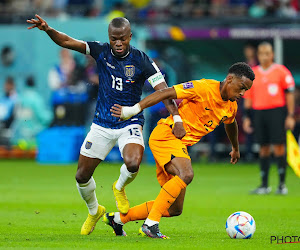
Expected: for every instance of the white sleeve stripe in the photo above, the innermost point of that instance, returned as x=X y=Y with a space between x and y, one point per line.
x=87 y=49
x=155 y=66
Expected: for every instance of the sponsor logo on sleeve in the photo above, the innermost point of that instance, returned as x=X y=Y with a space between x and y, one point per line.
x=156 y=79
x=188 y=85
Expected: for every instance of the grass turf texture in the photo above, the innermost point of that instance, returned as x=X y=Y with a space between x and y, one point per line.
x=40 y=208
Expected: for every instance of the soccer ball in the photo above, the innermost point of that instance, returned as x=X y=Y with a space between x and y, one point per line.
x=240 y=225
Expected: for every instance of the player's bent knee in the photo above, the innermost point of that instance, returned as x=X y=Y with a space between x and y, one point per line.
x=133 y=163
x=132 y=168
x=175 y=212
x=187 y=176
x=82 y=177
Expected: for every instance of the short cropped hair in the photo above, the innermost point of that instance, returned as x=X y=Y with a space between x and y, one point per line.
x=119 y=22
x=265 y=43
x=241 y=69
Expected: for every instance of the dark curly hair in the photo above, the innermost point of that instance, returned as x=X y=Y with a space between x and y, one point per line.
x=241 y=69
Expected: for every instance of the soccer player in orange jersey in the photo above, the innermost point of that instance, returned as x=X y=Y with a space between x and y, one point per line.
x=272 y=100
x=206 y=104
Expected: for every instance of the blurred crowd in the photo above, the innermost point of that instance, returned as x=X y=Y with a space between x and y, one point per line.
x=157 y=10
x=73 y=82
x=23 y=115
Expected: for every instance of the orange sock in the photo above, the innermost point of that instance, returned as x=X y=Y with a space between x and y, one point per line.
x=140 y=212
x=167 y=195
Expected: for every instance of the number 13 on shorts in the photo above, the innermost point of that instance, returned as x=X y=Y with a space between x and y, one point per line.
x=131 y=134
x=134 y=131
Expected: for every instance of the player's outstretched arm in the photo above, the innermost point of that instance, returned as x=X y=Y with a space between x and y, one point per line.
x=178 y=129
x=59 y=38
x=125 y=113
x=232 y=133
x=169 y=103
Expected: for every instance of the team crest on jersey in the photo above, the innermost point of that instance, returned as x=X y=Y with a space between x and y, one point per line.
x=188 y=85
x=88 y=145
x=129 y=71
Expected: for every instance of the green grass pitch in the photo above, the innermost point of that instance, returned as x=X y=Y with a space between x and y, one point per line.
x=40 y=208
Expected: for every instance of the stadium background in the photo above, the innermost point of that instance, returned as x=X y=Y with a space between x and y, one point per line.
x=190 y=39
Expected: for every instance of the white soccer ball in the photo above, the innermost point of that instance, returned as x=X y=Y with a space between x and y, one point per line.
x=240 y=225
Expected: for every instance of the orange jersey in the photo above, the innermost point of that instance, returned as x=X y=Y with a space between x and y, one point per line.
x=267 y=91
x=202 y=109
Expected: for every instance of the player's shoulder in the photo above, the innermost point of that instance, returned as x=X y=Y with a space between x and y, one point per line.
x=98 y=43
x=139 y=54
x=201 y=85
x=97 y=47
x=280 y=67
x=203 y=81
x=136 y=52
x=209 y=83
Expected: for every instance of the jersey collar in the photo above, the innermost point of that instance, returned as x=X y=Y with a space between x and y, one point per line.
x=111 y=51
x=266 y=70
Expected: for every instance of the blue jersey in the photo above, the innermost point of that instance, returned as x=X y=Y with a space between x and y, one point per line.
x=120 y=82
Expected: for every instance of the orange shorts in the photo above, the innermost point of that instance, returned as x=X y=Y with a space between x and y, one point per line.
x=165 y=146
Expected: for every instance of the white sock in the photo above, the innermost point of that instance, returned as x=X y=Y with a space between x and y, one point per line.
x=117 y=218
x=87 y=193
x=125 y=177
x=150 y=223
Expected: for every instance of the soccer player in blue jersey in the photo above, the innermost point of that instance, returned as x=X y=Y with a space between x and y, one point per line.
x=122 y=70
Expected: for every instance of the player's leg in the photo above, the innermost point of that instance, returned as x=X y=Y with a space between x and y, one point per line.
x=280 y=158
x=171 y=186
x=140 y=212
x=86 y=186
x=131 y=145
x=162 y=155
x=85 y=182
x=261 y=124
x=177 y=207
x=181 y=168
x=94 y=149
x=174 y=172
x=117 y=220
x=278 y=136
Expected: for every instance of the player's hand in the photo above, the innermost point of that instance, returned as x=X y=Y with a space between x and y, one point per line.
x=116 y=111
x=40 y=23
x=290 y=123
x=247 y=126
x=178 y=130
x=123 y=112
x=235 y=156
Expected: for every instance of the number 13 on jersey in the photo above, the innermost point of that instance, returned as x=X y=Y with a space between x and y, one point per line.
x=117 y=83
